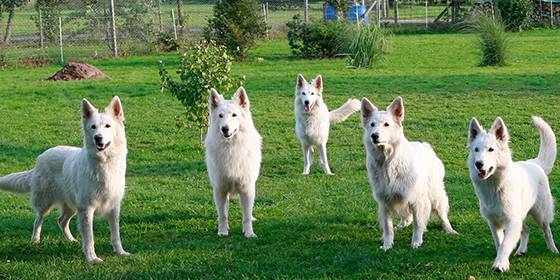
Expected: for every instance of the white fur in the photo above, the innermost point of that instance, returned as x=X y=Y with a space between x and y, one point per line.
x=89 y=181
x=233 y=159
x=313 y=120
x=406 y=177
x=507 y=191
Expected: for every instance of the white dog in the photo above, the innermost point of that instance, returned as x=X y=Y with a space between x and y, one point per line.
x=88 y=180
x=313 y=119
x=406 y=177
x=507 y=191
x=233 y=157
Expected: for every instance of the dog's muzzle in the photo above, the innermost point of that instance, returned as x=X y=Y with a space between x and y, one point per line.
x=102 y=146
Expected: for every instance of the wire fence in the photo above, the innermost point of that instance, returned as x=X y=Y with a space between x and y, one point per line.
x=37 y=32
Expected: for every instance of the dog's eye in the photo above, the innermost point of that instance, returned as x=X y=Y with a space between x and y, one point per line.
x=234 y=115
x=220 y=115
x=312 y=93
x=372 y=124
x=491 y=149
x=476 y=150
x=303 y=93
x=386 y=124
x=107 y=125
x=93 y=127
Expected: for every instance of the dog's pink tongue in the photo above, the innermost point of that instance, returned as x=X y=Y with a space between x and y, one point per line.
x=307 y=108
x=482 y=174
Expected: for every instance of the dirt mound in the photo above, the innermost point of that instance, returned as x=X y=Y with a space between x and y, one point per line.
x=78 y=71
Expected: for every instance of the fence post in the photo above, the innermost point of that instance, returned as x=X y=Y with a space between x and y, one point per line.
x=551 y=14
x=306 y=11
x=174 y=26
x=41 y=37
x=396 y=8
x=426 y=14
x=113 y=30
x=160 y=16
x=60 y=40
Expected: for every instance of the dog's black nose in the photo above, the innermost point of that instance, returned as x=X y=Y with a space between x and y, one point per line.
x=375 y=137
x=98 y=138
x=479 y=165
x=306 y=102
x=225 y=129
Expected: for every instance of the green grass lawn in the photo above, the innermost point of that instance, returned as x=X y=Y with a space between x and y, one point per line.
x=309 y=227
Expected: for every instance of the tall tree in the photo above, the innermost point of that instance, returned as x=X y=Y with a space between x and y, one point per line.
x=10 y=6
x=181 y=11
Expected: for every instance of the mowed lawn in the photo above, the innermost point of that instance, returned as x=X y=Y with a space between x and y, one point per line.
x=309 y=227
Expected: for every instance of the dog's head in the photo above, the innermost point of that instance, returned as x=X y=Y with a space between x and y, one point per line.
x=308 y=94
x=103 y=130
x=229 y=116
x=383 y=127
x=488 y=151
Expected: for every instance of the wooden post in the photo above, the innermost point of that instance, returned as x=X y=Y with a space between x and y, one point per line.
x=60 y=40
x=114 y=30
x=41 y=35
x=160 y=16
x=306 y=11
x=396 y=8
x=551 y=14
x=426 y=14
x=174 y=25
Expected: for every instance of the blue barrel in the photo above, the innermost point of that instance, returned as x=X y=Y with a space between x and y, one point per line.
x=361 y=10
x=330 y=13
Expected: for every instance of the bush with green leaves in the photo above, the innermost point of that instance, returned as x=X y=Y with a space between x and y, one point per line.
x=167 y=43
x=236 y=25
x=207 y=65
x=316 y=39
x=516 y=14
x=366 y=45
x=493 y=39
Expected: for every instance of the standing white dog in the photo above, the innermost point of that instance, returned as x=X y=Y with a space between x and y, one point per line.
x=233 y=157
x=313 y=119
x=88 y=180
x=507 y=191
x=406 y=177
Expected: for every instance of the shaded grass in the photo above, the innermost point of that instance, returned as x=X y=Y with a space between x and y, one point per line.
x=309 y=227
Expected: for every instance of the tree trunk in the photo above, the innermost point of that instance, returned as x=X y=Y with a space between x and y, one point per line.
x=181 y=12
x=9 y=25
x=1 y=21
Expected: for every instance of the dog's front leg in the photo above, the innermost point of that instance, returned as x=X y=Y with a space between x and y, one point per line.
x=85 y=224
x=247 y=200
x=114 y=227
x=386 y=219
x=511 y=237
x=324 y=159
x=221 y=200
x=421 y=214
x=497 y=234
x=307 y=158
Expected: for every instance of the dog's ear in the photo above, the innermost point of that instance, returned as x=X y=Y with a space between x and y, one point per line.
x=499 y=130
x=214 y=99
x=367 y=110
x=300 y=81
x=241 y=98
x=397 y=109
x=318 y=84
x=474 y=130
x=87 y=109
x=116 y=109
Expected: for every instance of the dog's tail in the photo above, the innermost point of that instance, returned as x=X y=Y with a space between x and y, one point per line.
x=16 y=182
x=350 y=107
x=547 y=152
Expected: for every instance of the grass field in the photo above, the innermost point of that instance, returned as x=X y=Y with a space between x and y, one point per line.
x=309 y=227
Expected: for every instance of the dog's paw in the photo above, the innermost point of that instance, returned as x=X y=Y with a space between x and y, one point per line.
x=416 y=244
x=386 y=246
x=250 y=235
x=554 y=250
x=452 y=232
x=123 y=254
x=520 y=254
x=305 y=173
x=223 y=233
x=501 y=266
x=94 y=260
x=35 y=241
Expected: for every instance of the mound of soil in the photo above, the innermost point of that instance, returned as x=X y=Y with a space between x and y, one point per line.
x=78 y=71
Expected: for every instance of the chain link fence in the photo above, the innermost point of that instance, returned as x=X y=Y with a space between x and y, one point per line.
x=38 y=32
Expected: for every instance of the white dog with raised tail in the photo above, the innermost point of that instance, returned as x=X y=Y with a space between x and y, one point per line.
x=313 y=119
x=233 y=157
x=88 y=180
x=507 y=191
x=406 y=177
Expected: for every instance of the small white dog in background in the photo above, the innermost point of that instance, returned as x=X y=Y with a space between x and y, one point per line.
x=88 y=180
x=233 y=157
x=507 y=191
x=406 y=177
x=313 y=119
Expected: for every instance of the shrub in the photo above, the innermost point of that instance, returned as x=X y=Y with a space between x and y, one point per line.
x=205 y=66
x=493 y=40
x=516 y=14
x=236 y=25
x=167 y=43
x=315 y=40
x=366 y=45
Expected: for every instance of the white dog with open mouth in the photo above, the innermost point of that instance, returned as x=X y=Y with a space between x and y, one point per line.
x=313 y=119
x=88 y=180
x=507 y=191
x=406 y=177
x=233 y=157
